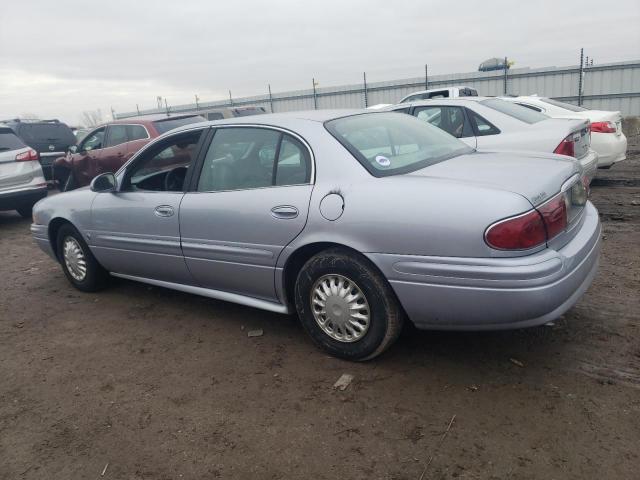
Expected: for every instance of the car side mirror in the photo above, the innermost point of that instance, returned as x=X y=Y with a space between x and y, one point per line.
x=104 y=183
x=73 y=148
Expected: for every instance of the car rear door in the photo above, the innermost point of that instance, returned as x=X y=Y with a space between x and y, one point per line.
x=248 y=200
x=138 y=136
x=135 y=230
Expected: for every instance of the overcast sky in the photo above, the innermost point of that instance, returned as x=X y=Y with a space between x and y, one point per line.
x=60 y=57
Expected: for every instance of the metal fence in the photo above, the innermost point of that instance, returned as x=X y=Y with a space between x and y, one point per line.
x=610 y=86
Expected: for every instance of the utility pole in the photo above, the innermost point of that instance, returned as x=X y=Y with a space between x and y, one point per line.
x=315 y=97
x=113 y=113
x=137 y=109
x=166 y=105
x=270 y=98
x=230 y=99
x=366 y=99
x=581 y=75
x=426 y=77
x=506 y=67
x=197 y=106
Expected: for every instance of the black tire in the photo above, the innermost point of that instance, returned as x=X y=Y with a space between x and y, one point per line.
x=386 y=316
x=95 y=277
x=26 y=211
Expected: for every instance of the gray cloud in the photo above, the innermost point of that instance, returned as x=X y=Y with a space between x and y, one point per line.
x=62 y=57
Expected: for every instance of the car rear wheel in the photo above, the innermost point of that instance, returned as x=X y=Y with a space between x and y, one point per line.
x=78 y=263
x=346 y=306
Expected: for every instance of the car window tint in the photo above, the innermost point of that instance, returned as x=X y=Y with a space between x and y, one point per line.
x=482 y=126
x=9 y=140
x=239 y=158
x=164 y=167
x=136 y=132
x=513 y=110
x=93 y=141
x=389 y=144
x=47 y=132
x=293 y=163
x=449 y=119
x=116 y=135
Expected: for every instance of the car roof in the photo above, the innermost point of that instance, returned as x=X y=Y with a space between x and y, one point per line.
x=276 y=119
x=147 y=119
x=431 y=101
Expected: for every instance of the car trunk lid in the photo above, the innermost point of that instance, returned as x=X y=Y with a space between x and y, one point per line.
x=535 y=176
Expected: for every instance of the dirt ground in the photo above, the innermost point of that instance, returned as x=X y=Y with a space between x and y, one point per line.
x=155 y=384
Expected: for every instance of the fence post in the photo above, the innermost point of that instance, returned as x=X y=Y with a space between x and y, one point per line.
x=230 y=99
x=366 y=99
x=315 y=98
x=506 y=66
x=426 y=77
x=137 y=109
x=270 y=99
x=580 y=77
x=166 y=105
x=197 y=106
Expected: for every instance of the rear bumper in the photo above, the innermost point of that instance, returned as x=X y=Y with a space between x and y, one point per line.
x=46 y=160
x=495 y=293
x=589 y=164
x=611 y=148
x=12 y=199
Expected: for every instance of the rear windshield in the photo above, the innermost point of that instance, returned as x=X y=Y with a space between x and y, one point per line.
x=163 y=126
x=47 y=133
x=514 y=110
x=245 y=112
x=566 y=106
x=9 y=140
x=394 y=143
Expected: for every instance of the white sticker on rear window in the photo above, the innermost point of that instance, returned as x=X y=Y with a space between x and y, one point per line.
x=383 y=161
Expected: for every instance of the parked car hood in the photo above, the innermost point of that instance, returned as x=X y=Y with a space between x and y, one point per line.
x=535 y=176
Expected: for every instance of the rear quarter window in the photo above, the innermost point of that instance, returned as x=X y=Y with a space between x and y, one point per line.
x=163 y=126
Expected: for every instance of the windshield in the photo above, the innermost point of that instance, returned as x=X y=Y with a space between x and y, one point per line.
x=514 y=110
x=163 y=126
x=394 y=143
x=566 y=106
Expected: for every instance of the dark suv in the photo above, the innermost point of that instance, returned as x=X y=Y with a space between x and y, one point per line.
x=50 y=138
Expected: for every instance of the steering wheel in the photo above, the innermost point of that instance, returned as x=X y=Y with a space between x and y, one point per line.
x=174 y=179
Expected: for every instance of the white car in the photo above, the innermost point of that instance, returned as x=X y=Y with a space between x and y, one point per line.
x=606 y=127
x=448 y=92
x=489 y=123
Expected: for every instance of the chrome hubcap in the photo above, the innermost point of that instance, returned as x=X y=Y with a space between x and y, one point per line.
x=340 y=308
x=74 y=259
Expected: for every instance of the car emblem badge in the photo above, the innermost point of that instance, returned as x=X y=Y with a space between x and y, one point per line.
x=52 y=148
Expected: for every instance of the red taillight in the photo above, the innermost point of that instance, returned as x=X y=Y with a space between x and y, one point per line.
x=554 y=213
x=603 y=127
x=27 y=156
x=530 y=229
x=566 y=147
x=517 y=233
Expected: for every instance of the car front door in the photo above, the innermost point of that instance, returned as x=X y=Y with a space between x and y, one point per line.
x=135 y=230
x=249 y=200
x=114 y=151
x=87 y=156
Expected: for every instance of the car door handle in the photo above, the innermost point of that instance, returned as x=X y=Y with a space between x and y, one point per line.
x=164 y=211
x=284 y=211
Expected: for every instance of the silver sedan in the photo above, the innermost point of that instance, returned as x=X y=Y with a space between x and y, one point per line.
x=355 y=220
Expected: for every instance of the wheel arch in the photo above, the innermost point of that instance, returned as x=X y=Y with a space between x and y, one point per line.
x=299 y=257
x=54 y=226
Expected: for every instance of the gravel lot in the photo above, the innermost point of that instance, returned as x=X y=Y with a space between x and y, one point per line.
x=155 y=384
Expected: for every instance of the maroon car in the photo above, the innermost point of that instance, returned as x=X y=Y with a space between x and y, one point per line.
x=108 y=147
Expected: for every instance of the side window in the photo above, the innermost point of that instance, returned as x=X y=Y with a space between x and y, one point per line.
x=531 y=107
x=136 y=132
x=163 y=167
x=243 y=158
x=449 y=119
x=93 y=141
x=294 y=164
x=402 y=110
x=439 y=94
x=481 y=126
x=116 y=135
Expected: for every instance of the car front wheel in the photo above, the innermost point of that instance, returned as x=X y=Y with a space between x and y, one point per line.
x=346 y=306
x=78 y=263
